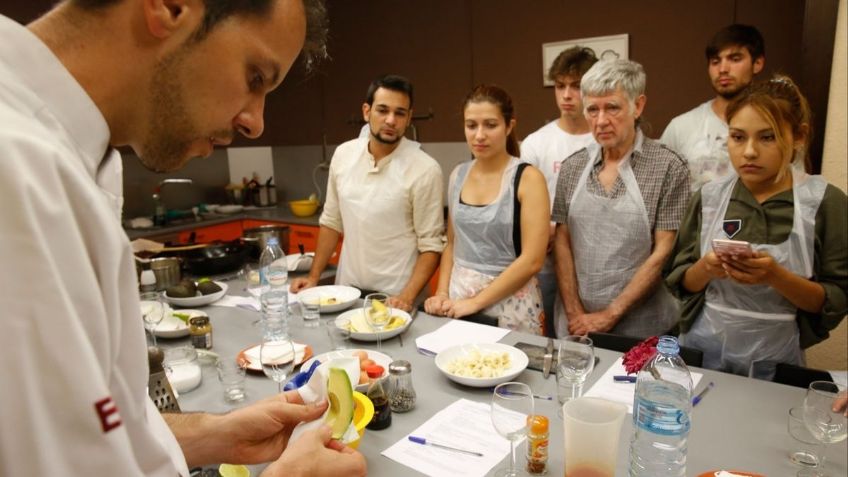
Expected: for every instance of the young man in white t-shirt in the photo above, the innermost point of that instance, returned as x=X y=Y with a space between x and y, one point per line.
x=550 y=145
x=735 y=55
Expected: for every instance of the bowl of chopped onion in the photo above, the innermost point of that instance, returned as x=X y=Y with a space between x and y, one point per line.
x=481 y=365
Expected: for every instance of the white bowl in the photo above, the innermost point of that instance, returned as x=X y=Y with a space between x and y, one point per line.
x=378 y=357
x=198 y=300
x=358 y=313
x=518 y=362
x=345 y=296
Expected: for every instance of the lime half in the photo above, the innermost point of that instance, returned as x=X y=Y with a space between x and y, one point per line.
x=232 y=470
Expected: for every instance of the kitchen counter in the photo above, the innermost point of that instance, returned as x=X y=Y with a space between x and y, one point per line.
x=274 y=214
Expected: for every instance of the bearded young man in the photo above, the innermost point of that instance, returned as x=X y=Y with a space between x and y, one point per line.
x=171 y=79
x=385 y=195
x=735 y=55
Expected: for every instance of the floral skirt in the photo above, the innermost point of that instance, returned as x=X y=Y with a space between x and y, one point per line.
x=521 y=311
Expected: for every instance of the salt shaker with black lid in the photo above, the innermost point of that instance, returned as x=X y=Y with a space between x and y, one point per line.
x=401 y=393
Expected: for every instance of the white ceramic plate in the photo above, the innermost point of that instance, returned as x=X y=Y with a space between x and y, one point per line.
x=358 y=316
x=345 y=296
x=199 y=300
x=378 y=357
x=229 y=209
x=518 y=361
x=249 y=357
x=173 y=327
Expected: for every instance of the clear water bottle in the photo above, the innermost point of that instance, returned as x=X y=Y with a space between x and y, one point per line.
x=661 y=414
x=274 y=276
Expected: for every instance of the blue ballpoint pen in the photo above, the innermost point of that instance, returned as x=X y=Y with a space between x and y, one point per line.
x=697 y=399
x=425 y=442
x=624 y=379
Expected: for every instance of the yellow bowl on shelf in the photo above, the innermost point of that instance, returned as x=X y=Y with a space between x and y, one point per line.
x=304 y=208
x=363 y=411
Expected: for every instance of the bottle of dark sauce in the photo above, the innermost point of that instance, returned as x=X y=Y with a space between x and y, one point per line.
x=378 y=396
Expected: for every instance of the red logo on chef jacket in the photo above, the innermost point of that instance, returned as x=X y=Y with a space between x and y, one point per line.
x=107 y=411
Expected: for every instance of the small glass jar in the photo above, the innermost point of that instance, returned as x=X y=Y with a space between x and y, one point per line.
x=200 y=330
x=537 y=444
x=401 y=393
x=182 y=368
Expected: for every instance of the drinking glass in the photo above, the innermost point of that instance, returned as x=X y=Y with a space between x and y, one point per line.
x=152 y=312
x=575 y=361
x=231 y=373
x=511 y=404
x=377 y=313
x=277 y=357
x=826 y=425
x=807 y=449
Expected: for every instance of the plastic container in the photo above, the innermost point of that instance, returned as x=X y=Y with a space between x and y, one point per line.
x=662 y=409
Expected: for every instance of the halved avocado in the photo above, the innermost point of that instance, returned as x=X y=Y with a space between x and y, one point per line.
x=340 y=395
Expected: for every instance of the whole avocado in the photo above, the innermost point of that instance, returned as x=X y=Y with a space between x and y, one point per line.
x=208 y=288
x=180 y=291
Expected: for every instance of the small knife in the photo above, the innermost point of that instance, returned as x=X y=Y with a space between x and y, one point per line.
x=549 y=357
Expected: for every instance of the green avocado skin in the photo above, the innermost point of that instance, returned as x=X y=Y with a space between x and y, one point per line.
x=208 y=288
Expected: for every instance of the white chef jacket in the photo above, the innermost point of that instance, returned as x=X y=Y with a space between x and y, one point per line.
x=389 y=212
x=74 y=398
x=546 y=149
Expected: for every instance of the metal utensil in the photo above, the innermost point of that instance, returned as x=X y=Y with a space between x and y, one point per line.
x=548 y=359
x=158 y=386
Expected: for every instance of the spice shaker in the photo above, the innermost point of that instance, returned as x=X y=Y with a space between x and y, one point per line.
x=401 y=393
x=537 y=444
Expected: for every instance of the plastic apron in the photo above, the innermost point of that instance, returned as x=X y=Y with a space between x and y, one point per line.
x=483 y=248
x=610 y=240
x=748 y=329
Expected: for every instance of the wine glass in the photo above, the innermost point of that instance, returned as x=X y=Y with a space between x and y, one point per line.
x=152 y=312
x=377 y=313
x=575 y=361
x=512 y=403
x=277 y=356
x=826 y=425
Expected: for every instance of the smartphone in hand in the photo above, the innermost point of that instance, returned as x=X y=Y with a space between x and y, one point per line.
x=734 y=248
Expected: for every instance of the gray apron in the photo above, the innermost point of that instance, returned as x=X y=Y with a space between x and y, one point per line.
x=610 y=240
x=748 y=329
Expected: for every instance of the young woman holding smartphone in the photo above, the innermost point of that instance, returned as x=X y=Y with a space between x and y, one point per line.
x=748 y=313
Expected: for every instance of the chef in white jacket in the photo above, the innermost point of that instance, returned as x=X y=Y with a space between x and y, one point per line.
x=72 y=343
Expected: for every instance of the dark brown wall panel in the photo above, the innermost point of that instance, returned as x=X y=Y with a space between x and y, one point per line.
x=447 y=46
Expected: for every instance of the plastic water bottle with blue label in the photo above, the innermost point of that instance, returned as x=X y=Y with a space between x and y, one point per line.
x=274 y=276
x=662 y=408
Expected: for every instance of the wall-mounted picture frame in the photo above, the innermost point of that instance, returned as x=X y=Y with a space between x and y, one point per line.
x=611 y=46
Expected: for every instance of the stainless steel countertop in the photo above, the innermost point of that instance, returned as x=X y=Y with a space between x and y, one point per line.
x=741 y=424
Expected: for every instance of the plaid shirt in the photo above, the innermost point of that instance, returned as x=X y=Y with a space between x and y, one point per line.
x=661 y=173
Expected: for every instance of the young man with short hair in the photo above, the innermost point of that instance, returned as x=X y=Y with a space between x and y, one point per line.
x=735 y=55
x=548 y=147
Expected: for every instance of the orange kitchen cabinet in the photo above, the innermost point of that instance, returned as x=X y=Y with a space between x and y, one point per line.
x=307 y=235
x=220 y=232
x=433 y=284
x=251 y=223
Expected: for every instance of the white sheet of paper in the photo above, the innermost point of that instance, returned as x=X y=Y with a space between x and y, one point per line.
x=623 y=392
x=457 y=332
x=235 y=301
x=464 y=424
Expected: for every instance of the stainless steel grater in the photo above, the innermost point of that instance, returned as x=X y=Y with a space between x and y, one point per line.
x=158 y=386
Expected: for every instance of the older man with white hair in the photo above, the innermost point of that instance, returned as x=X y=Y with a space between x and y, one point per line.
x=617 y=208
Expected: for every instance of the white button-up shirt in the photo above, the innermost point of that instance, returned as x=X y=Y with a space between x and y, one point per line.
x=389 y=212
